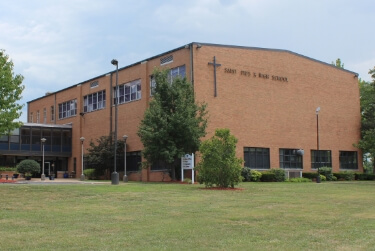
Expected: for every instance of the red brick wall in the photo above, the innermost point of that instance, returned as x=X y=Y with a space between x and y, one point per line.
x=260 y=112
x=263 y=112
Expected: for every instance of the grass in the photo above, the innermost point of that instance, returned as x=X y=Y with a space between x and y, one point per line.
x=157 y=216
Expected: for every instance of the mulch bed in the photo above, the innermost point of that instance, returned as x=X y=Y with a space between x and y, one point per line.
x=7 y=181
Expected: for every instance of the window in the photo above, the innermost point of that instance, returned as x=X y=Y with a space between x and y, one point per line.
x=320 y=158
x=133 y=161
x=94 y=84
x=93 y=102
x=45 y=115
x=166 y=60
x=37 y=116
x=52 y=113
x=257 y=158
x=31 y=117
x=68 y=109
x=348 y=160
x=128 y=92
x=179 y=71
x=290 y=159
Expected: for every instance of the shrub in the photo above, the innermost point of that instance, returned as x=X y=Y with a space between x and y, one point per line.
x=279 y=174
x=245 y=173
x=255 y=175
x=300 y=180
x=250 y=175
x=89 y=173
x=364 y=176
x=327 y=172
x=28 y=166
x=322 y=177
x=219 y=165
x=8 y=169
x=268 y=177
x=187 y=180
x=310 y=175
x=345 y=175
x=273 y=175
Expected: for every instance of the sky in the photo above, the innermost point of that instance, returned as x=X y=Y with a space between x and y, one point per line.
x=55 y=44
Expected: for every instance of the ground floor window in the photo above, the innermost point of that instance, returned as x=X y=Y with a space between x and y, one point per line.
x=348 y=160
x=320 y=158
x=290 y=159
x=257 y=158
x=133 y=161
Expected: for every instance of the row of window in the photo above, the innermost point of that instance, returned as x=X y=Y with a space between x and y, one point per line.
x=96 y=101
x=259 y=158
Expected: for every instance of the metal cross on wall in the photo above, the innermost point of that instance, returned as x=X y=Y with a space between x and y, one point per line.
x=215 y=65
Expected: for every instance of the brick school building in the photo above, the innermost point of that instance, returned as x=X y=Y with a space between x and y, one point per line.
x=276 y=102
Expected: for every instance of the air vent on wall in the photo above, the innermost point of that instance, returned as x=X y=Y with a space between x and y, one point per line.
x=166 y=60
x=94 y=84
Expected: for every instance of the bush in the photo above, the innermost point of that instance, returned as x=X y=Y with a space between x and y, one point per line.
x=345 y=175
x=327 y=172
x=187 y=180
x=28 y=166
x=310 y=175
x=245 y=173
x=364 y=176
x=250 y=175
x=268 y=177
x=89 y=173
x=279 y=174
x=255 y=175
x=322 y=177
x=219 y=165
x=8 y=169
x=300 y=180
x=273 y=175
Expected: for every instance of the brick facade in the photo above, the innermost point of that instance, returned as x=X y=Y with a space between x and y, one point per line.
x=267 y=98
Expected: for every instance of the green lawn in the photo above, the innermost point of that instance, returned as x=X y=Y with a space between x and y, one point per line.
x=158 y=216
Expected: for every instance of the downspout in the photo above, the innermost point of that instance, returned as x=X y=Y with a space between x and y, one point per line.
x=55 y=110
x=191 y=64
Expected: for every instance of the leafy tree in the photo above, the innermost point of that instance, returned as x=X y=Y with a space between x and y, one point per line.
x=100 y=156
x=28 y=166
x=338 y=63
x=173 y=123
x=219 y=165
x=367 y=92
x=10 y=92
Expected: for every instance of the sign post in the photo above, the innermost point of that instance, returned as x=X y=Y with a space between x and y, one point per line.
x=187 y=162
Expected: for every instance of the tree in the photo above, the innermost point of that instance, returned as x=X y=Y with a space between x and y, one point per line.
x=367 y=93
x=219 y=165
x=100 y=156
x=28 y=166
x=173 y=123
x=338 y=63
x=10 y=92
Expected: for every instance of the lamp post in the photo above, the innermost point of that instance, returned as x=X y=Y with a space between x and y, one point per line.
x=82 y=175
x=43 y=177
x=125 y=178
x=317 y=142
x=115 y=176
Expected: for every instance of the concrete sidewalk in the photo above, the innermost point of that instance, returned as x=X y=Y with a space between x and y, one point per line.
x=54 y=181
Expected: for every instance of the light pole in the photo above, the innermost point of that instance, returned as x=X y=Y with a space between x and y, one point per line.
x=43 y=177
x=125 y=177
x=82 y=175
x=115 y=176
x=317 y=142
